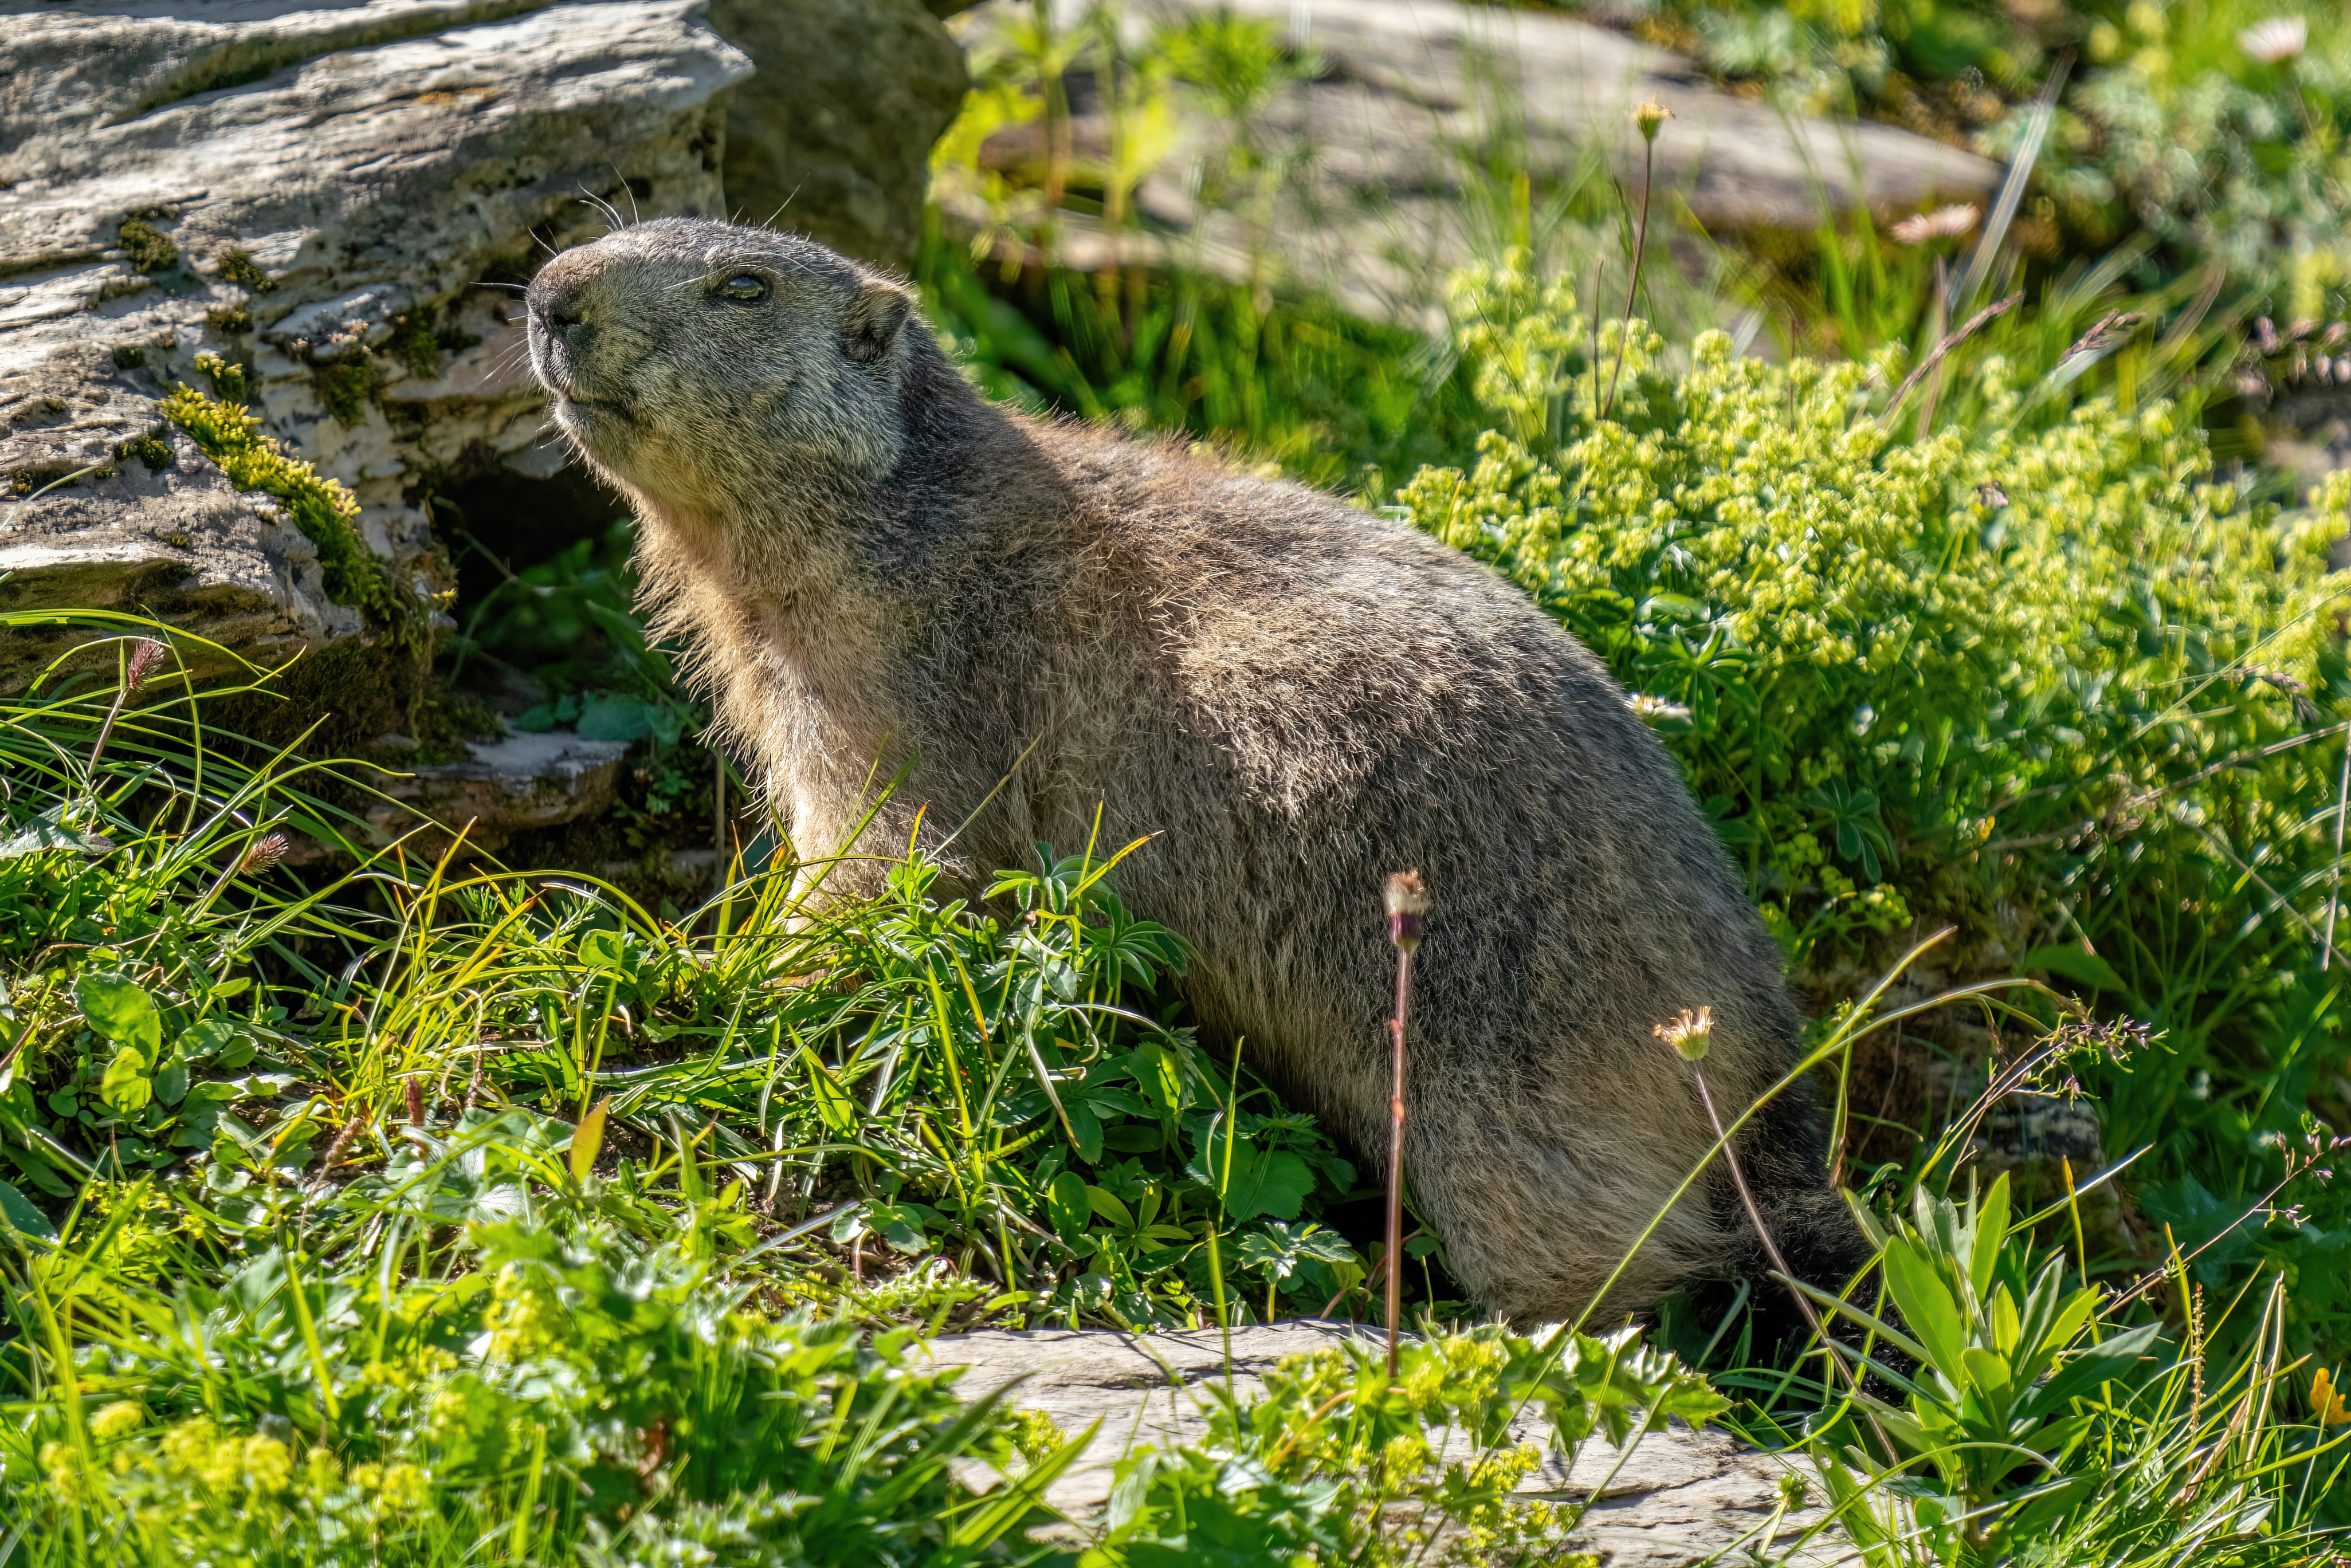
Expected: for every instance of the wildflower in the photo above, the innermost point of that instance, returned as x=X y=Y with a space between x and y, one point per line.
x=402 y=1488
x=2275 y=41
x=116 y=1419
x=1407 y=899
x=1943 y=222
x=267 y=851
x=1650 y=115
x=1990 y=496
x=268 y=1465
x=1644 y=706
x=1687 y=1034
x=2326 y=1402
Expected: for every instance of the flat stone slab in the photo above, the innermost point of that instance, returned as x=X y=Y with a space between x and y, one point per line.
x=506 y=787
x=1676 y=1497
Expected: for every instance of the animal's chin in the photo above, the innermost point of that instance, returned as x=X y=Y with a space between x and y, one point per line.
x=591 y=420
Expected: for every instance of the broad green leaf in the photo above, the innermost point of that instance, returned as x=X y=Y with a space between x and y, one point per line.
x=40 y=835
x=1991 y=1230
x=17 y=1212
x=125 y=1087
x=1161 y=1077
x=1927 y=1307
x=834 y=1108
x=171 y=1080
x=121 y=1011
x=1991 y=1376
x=1107 y=1205
x=900 y=1225
x=223 y=1044
x=2005 y=1330
x=1069 y=1204
x=604 y=950
x=1087 y=1128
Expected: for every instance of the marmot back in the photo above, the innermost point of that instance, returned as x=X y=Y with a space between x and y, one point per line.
x=869 y=562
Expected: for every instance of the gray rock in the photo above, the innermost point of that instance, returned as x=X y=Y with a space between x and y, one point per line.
x=317 y=189
x=503 y=788
x=1674 y=1496
x=1389 y=191
x=336 y=198
x=831 y=136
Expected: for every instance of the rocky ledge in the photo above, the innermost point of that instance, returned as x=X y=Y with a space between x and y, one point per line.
x=1672 y=1497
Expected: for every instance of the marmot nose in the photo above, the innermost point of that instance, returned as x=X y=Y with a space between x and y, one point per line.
x=559 y=310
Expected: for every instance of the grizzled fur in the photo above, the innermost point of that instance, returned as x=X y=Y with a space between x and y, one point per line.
x=873 y=564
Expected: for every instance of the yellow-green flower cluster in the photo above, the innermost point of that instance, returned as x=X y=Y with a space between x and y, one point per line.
x=1867 y=649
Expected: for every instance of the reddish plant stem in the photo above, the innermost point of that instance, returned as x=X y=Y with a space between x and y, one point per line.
x=1396 y=1154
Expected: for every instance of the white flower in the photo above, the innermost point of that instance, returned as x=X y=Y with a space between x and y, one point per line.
x=2276 y=40
x=1943 y=222
x=1647 y=707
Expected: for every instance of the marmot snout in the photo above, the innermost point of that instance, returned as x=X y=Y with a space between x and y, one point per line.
x=872 y=565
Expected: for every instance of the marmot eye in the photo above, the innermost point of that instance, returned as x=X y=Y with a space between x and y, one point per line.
x=745 y=288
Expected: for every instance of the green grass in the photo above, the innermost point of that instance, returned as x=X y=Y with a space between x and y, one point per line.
x=377 y=1208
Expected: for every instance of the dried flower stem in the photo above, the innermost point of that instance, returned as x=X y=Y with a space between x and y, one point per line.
x=1754 y=1213
x=1407 y=900
x=1771 y=1249
x=1975 y=323
x=1640 y=243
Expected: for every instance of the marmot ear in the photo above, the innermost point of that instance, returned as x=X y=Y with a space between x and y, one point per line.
x=872 y=320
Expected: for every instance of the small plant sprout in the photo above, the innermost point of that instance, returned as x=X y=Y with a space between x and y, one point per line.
x=1407 y=900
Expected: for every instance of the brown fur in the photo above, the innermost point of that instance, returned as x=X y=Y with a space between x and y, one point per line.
x=873 y=564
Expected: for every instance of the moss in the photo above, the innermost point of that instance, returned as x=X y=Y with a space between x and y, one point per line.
x=345 y=386
x=128 y=356
x=237 y=265
x=325 y=512
x=147 y=247
x=414 y=344
x=150 y=449
x=446 y=719
x=334 y=700
x=230 y=318
x=228 y=380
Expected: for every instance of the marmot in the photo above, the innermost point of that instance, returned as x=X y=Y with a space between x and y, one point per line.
x=873 y=564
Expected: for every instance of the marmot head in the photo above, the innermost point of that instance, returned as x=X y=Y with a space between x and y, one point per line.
x=695 y=361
